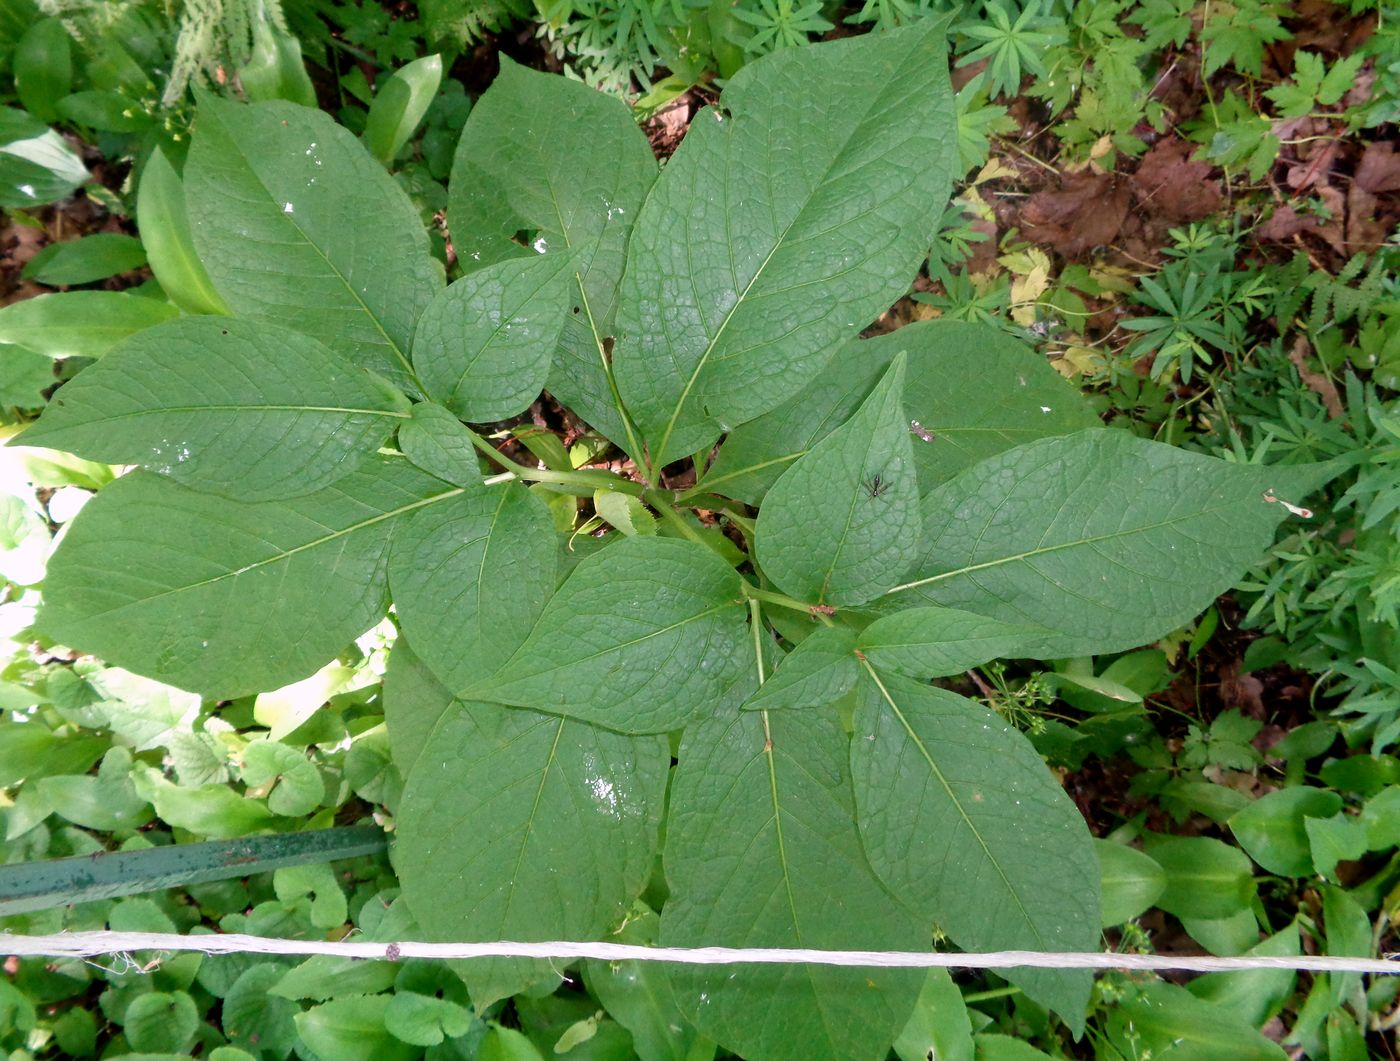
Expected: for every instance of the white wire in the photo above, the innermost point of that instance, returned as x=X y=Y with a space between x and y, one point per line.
x=89 y=944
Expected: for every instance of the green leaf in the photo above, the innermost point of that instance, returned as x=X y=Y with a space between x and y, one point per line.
x=24 y=376
x=1349 y=935
x=759 y=829
x=1272 y=829
x=819 y=671
x=507 y=1044
x=482 y=346
x=842 y=524
x=623 y=512
x=1205 y=878
x=324 y=976
x=161 y=1023
x=164 y=221
x=639 y=638
x=36 y=164
x=43 y=68
x=934 y=642
x=970 y=388
x=1254 y=995
x=554 y=159
x=1330 y=840
x=352 y=1029
x=1129 y=881
x=277 y=191
x=85 y=260
x=256 y=1019
x=414 y=700
x=470 y=577
x=295 y=785
x=1164 y=1020
x=947 y=795
x=79 y=323
x=399 y=106
x=425 y=1021
x=993 y=1047
x=1107 y=539
x=940 y=1027
x=555 y=827
x=248 y=410
x=222 y=598
x=772 y=235
x=440 y=444
x=215 y=811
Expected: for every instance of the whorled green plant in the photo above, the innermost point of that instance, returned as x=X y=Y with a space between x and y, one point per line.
x=908 y=507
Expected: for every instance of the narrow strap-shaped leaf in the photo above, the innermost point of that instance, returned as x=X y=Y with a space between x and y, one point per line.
x=970 y=392
x=164 y=222
x=639 y=638
x=1106 y=539
x=79 y=323
x=933 y=642
x=785 y=222
x=522 y=826
x=227 y=598
x=962 y=820
x=819 y=671
x=842 y=524
x=470 y=577
x=107 y=875
x=482 y=347
x=297 y=224
x=249 y=410
x=569 y=166
x=761 y=851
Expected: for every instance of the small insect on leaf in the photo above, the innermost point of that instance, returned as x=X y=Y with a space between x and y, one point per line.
x=1304 y=513
x=876 y=485
x=919 y=429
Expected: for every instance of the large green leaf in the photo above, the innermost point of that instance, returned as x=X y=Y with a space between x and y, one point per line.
x=761 y=851
x=962 y=820
x=971 y=389
x=790 y=217
x=517 y=825
x=298 y=225
x=249 y=410
x=639 y=638
x=79 y=323
x=842 y=525
x=934 y=642
x=482 y=347
x=413 y=700
x=1106 y=539
x=567 y=165
x=470 y=577
x=226 y=598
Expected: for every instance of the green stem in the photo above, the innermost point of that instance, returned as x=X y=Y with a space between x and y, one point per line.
x=987 y=996
x=782 y=600
x=589 y=478
x=660 y=500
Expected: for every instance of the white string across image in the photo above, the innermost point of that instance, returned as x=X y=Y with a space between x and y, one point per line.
x=92 y=944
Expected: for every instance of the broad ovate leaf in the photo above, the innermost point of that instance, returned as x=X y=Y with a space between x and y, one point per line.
x=569 y=167
x=518 y=825
x=226 y=598
x=482 y=347
x=245 y=409
x=970 y=392
x=639 y=638
x=761 y=851
x=440 y=444
x=470 y=577
x=1106 y=539
x=934 y=642
x=842 y=524
x=298 y=225
x=414 y=699
x=790 y=217
x=962 y=820
x=819 y=671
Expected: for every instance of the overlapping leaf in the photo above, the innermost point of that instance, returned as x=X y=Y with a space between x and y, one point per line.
x=786 y=221
x=970 y=392
x=527 y=827
x=438 y=442
x=639 y=638
x=297 y=224
x=842 y=524
x=1109 y=540
x=933 y=642
x=564 y=164
x=249 y=410
x=761 y=851
x=482 y=346
x=470 y=577
x=961 y=819
x=225 y=598
x=819 y=671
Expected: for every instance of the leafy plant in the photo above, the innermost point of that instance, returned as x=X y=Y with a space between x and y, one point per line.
x=905 y=511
